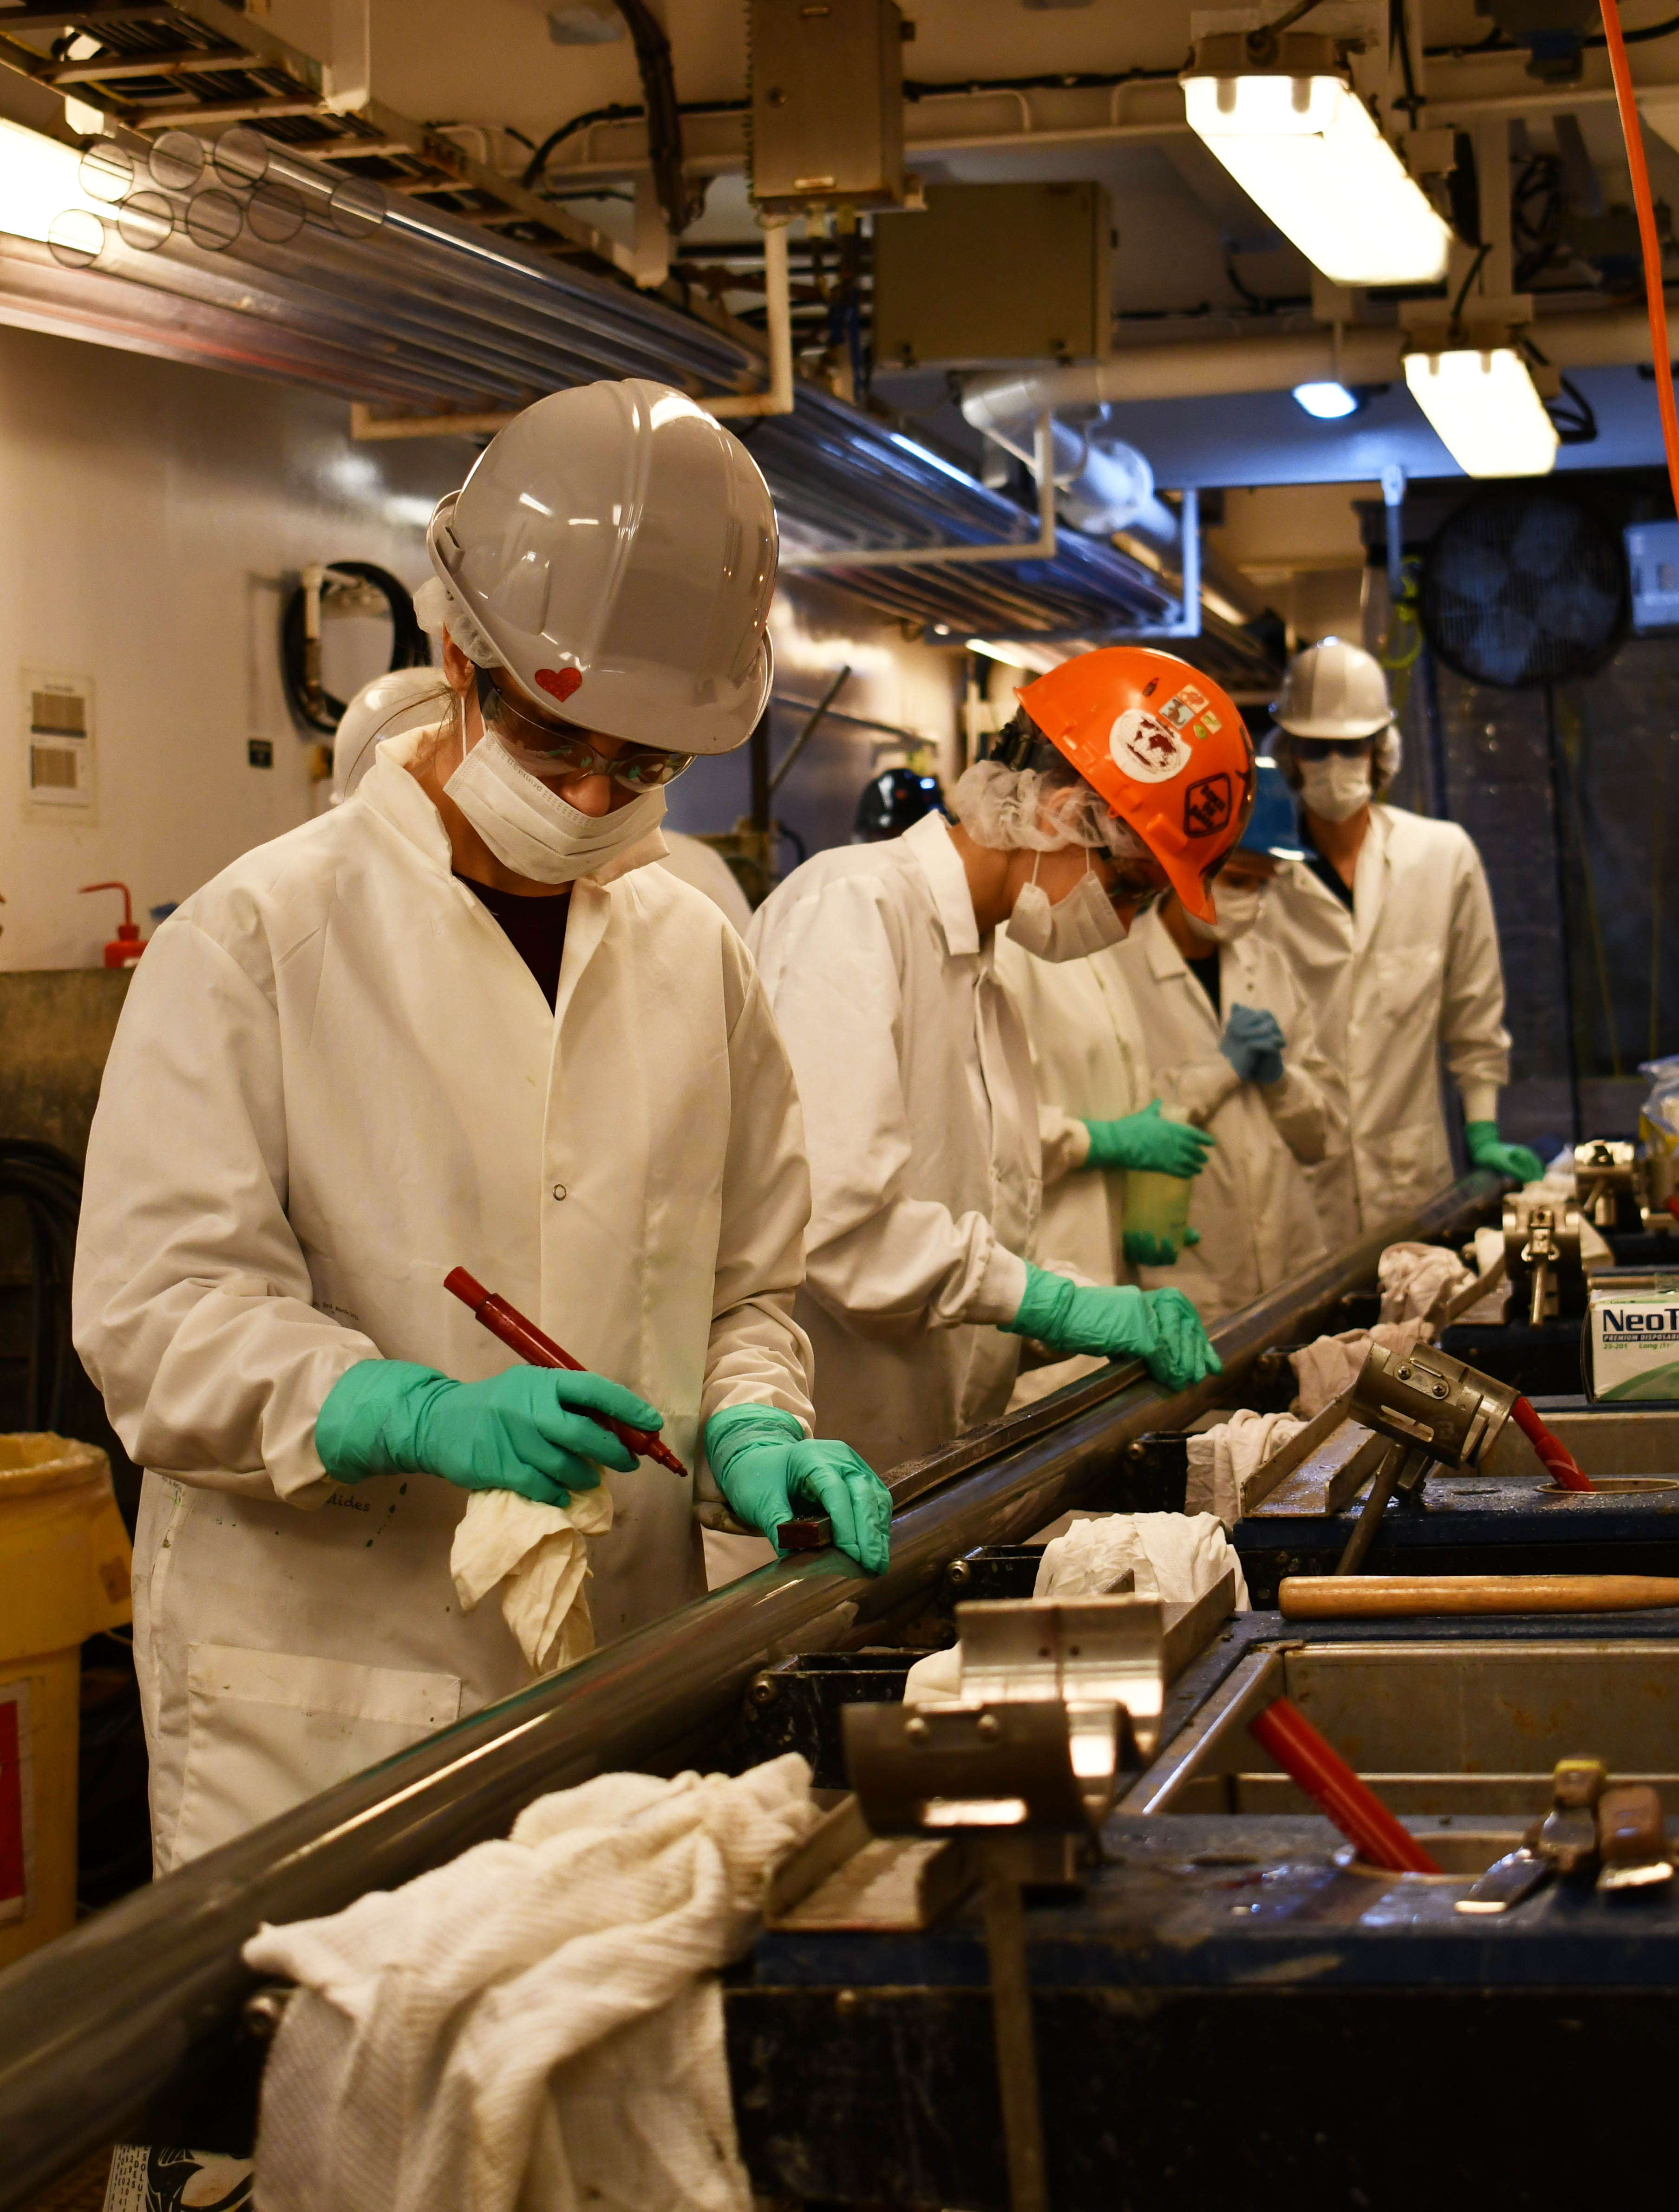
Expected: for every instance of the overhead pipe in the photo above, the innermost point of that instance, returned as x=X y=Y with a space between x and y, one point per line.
x=115 y=2025
x=1207 y=368
x=777 y=399
x=1043 y=547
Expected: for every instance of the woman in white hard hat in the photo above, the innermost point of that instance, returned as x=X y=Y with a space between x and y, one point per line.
x=1389 y=923
x=1231 y=1042
x=456 y=1022
x=1125 y=773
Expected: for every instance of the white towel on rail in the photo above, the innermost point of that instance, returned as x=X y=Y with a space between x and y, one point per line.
x=537 y=2026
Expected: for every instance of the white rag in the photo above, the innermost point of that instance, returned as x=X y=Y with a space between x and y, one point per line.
x=1330 y=1364
x=1419 y=1281
x=1224 y=1459
x=1175 y=1556
x=539 y=1552
x=537 y=2025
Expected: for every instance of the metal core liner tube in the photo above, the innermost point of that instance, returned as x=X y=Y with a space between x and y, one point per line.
x=120 y=2021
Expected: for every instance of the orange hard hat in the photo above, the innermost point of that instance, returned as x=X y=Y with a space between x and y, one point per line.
x=1165 y=748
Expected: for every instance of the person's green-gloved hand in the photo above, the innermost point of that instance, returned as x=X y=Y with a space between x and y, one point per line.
x=767 y=1468
x=1160 y=1328
x=1144 y=1140
x=1145 y=1249
x=1486 y=1150
x=527 y=1429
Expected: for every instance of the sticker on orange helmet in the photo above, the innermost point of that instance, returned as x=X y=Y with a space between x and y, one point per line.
x=1184 y=705
x=1142 y=745
x=1206 y=806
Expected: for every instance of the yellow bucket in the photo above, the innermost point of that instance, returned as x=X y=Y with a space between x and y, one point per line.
x=65 y=1571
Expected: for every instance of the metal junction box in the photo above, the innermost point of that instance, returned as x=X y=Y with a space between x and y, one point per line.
x=827 y=113
x=995 y=272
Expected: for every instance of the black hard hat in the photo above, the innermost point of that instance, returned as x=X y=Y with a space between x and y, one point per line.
x=891 y=801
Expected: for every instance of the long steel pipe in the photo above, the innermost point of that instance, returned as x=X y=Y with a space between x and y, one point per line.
x=114 y=2018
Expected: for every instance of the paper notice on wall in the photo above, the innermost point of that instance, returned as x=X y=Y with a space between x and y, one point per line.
x=17 y=1804
x=145 y=2178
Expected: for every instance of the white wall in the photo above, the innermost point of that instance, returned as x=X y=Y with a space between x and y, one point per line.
x=153 y=516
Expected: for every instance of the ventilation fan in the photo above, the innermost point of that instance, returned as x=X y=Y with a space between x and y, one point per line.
x=1524 y=585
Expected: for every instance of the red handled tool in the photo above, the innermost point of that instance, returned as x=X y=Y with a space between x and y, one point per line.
x=1554 y=1455
x=525 y=1338
x=1284 y=1732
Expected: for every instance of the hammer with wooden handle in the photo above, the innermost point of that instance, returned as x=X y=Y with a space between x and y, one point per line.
x=1371 y=1597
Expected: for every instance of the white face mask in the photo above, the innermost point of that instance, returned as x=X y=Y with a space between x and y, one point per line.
x=1237 y=905
x=530 y=827
x=1084 y=922
x=1335 y=789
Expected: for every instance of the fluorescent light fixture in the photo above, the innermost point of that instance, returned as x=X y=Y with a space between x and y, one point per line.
x=1305 y=151
x=40 y=181
x=1485 y=410
x=937 y=460
x=1328 y=401
x=1034 y=657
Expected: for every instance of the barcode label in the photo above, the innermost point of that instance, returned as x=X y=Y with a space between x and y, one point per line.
x=60 y=778
x=52 y=768
x=65 y=714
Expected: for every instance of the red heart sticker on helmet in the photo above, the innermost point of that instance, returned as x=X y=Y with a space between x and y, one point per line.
x=560 y=683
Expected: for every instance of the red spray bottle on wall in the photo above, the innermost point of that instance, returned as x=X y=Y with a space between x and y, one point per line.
x=125 y=947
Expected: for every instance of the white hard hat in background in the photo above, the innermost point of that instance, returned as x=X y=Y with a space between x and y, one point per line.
x=1334 y=690
x=614 y=549
x=403 y=700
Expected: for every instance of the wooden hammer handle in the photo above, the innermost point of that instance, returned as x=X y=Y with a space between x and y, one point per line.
x=1345 y=1597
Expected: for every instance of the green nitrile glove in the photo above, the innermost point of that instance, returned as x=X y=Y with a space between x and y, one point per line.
x=1144 y=1140
x=1144 y=1249
x=1160 y=1328
x=527 y=1429
x=1487 y=1151
x=767 y=1468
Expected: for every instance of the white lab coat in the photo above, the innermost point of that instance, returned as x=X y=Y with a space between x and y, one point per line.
x=1090 y=1064
x=1251 y=1202
x=1411 y=972
x=916 y=1085
x=335 y=1080
x=699 y=864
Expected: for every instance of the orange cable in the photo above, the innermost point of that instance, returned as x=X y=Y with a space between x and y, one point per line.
x=1655 y=300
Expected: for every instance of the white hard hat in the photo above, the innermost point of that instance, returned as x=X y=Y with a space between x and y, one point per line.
x=1333 y=690
x=616 y=546
x=403 y=700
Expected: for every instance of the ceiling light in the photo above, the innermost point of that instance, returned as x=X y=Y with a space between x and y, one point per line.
x=1036 y=658
x=1485 y=410
x=1305 y=151
x=1328 y=401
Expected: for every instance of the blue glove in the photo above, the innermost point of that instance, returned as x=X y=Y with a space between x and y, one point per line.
x=767 y=1468
x=1145 y=1141
x=1144 y=1249
x=1160 y=1328
x=1487 y=1151
x=527 y=1429
x=1254 y=1044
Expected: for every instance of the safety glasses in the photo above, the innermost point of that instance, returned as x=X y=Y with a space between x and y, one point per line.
x=552 y=751
x=1323 y=749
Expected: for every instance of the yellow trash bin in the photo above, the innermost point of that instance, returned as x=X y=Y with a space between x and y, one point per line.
x=64 y=1569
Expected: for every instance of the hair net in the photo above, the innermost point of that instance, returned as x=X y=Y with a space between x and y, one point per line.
x=1386 y=755
x=1010 y=809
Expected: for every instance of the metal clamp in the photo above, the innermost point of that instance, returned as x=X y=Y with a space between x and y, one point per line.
x=1435 y=1410
x=1541 y=1249
x=1056 y=1697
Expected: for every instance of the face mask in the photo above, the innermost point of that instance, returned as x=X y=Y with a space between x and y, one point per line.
x=1084 y=922
x=1335 y=789
x=531 y=829
x=1239 y=906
